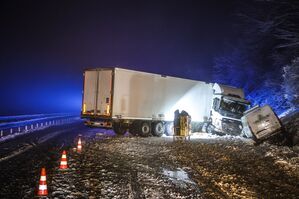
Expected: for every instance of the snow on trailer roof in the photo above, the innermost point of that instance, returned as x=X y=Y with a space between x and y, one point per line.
x=227 y=90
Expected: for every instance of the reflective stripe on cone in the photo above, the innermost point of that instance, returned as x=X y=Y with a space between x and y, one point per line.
x=79 y=147
x=42 y=188
x=63 y=161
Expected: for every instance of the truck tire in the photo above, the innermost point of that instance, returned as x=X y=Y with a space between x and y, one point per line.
x=144 y=129
x=209 y=129
x=158 y=129
x=119 y=128
x=204 y=127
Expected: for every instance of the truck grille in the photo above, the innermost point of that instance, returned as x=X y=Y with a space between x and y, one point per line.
x=231 y=127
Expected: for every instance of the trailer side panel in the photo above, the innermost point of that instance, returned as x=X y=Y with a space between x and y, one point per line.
x=151 y=96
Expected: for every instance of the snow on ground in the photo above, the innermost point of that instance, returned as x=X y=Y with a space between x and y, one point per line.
x=291 y=125
x=123 y=167
x=215 y=167
x=110 y=166
x=20 y=174
x=234 y=168
x=26 y=146
x=20 y=150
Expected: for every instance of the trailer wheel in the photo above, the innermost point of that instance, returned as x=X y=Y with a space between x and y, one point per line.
x=119 y=128
x=144 y=129
x=158 y=129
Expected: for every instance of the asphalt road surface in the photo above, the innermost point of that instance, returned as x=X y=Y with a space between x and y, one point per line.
x=111 y=166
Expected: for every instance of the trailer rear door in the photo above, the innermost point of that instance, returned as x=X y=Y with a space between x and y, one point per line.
x=104 y=92
x=97 y=92
x=89 y=93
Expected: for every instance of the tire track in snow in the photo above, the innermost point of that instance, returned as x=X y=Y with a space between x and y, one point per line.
x=28 y=146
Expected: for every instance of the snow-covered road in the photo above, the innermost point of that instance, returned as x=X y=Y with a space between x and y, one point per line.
x=113 y=166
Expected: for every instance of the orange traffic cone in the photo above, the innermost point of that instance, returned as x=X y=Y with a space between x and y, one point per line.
x=42 y=188
x=63 y=161
x=79 y=147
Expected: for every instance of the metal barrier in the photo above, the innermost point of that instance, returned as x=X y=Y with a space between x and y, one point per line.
x=35 y=126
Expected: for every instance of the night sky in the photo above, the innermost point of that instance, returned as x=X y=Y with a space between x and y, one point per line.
x=45 y=45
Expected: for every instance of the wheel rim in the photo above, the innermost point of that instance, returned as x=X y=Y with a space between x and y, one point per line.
x=145 y=128
x=159 y=128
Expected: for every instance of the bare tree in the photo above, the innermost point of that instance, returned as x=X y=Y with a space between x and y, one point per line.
x=290 y=83
x=268 y=39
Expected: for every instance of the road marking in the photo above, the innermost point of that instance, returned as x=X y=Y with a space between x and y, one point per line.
x=40 y=141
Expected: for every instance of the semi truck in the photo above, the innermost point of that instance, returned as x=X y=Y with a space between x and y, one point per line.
x=144 y=103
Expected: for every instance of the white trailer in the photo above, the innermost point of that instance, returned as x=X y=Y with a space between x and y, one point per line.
x=144 y=103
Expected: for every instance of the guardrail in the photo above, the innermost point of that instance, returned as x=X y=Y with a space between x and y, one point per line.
x=22 y=127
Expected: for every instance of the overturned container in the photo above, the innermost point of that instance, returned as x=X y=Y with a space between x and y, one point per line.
x=260 y=123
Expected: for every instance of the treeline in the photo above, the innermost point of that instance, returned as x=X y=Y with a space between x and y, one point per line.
x=264 y=59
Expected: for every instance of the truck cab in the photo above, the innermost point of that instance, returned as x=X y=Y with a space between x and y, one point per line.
x=227 y=109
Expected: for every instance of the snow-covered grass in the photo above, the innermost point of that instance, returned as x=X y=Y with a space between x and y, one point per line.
x=288 y=112
x=291 y=126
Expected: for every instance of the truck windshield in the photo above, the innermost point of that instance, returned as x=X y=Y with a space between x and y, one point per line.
x=233 y=107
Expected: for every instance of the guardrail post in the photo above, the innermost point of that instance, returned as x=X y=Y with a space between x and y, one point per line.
x=41 y=124
x=26 y=128
x=31 y=126
x=10 y=131
x=19 y=129
x=1 y=133
x=46 y=123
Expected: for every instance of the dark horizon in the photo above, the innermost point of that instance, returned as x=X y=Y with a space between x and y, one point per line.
x=45 y=46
